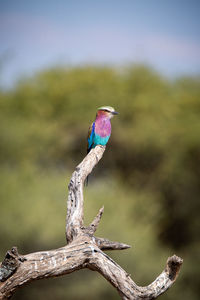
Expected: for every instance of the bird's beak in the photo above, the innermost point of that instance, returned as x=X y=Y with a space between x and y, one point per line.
x=115 y=113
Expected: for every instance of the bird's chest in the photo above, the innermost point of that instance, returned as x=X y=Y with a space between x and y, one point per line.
x=103 y=128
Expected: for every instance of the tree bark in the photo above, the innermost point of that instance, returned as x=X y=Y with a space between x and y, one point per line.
x=83 y=250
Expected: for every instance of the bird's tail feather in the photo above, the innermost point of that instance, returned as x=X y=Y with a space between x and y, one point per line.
x=86 y=181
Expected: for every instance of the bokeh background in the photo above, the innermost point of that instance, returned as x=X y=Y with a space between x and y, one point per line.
x=59 y=61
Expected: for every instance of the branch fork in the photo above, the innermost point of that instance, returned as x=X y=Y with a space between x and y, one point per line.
x=83 y=250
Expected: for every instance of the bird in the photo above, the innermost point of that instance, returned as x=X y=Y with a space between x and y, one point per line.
x=100 y=130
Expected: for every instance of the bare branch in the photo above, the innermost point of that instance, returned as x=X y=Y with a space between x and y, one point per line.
x=93 y=226
x=10 y=264
x=127 y=287
x=74 y=221
x=83 y=250
x=47 y=264
x=105 y=244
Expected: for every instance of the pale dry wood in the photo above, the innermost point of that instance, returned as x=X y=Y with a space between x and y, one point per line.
x=93 y=226
x=127 y=287
x=83 y=250
x=74 y=220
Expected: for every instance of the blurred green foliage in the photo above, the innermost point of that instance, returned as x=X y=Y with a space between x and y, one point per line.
x=148 y=179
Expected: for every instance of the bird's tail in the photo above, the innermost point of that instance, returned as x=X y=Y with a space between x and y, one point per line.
x=86 y=181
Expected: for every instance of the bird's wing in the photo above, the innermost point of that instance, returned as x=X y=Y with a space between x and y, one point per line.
x=90 y=139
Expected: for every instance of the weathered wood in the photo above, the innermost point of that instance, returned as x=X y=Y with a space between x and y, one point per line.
x=105 y=244
x=74 y=220
x=83 y=250
x=126 y=286
x=93 y=226
x=48 y=264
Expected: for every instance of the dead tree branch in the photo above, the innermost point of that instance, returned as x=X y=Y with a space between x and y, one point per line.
x=83 y=250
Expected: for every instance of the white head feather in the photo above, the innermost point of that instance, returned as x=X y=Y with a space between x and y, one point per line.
x=107 y=108
x=110 y=111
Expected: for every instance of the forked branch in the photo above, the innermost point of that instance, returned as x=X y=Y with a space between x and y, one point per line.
x=83 y=250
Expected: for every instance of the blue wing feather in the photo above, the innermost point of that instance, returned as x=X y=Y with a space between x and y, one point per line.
x=91 y=134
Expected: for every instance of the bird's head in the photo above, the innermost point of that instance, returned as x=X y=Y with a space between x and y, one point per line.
x=107 y=111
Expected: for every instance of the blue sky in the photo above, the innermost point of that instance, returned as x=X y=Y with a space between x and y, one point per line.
x=39 y=34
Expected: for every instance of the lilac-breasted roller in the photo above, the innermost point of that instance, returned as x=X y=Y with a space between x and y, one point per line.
x=100 y=131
